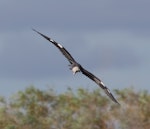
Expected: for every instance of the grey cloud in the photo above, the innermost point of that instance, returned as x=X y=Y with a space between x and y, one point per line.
x=86 y=28
x=75 y=14
x=27 y=55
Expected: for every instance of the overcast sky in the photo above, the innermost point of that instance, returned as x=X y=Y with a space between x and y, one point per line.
x=110 y=38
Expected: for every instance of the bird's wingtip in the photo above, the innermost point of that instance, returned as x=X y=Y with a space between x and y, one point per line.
x=107 y=91
x=118 y=103
x=34 y=30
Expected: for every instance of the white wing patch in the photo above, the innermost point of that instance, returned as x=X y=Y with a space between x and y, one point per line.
x=60 y=45
x=51 y=40
x=102 y=83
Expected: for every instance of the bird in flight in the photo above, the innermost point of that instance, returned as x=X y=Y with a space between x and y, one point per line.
x=76 y=67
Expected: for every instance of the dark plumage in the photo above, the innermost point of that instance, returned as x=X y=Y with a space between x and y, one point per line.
x=76 y=67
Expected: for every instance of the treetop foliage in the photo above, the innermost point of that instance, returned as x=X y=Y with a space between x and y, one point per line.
x=37 y=109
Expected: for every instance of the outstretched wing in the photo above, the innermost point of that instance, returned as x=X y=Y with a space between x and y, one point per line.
x=59 y=46
x=99 y=82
